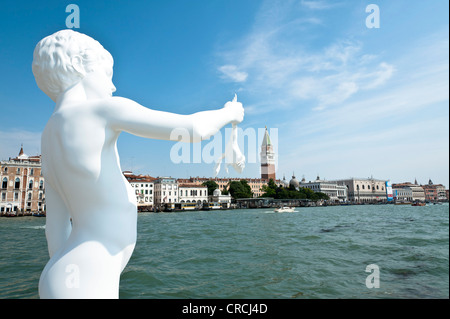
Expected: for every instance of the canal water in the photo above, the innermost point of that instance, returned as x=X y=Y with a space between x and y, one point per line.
x=315 y=252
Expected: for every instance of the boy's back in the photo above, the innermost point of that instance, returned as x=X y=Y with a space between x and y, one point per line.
x=91 y=208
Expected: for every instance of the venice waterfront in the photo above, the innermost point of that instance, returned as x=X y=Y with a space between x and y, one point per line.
x=315 y=252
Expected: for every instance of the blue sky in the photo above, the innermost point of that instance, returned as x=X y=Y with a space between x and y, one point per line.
x=342 y=100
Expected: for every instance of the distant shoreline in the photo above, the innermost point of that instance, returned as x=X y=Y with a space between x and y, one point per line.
x=28 y=214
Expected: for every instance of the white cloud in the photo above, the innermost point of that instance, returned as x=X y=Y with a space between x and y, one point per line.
x=372 y=109
x=342 y=92
x=384 y=133
x=318 y=4
x=231 y=72
x=283 y=72
x=345 y=79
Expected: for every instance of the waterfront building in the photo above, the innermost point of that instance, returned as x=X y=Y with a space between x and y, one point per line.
x=267 y=158
x=165 y=190
x=408 y=192
x=22 y=185
x=365 y=190
x=144 y=188
x=223 y=200
x=336 y=192
x=434 y=192
x=255 y=184
x=192 y=193
x=403 y=194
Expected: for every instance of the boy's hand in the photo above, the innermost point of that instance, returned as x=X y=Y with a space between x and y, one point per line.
x=236 y=110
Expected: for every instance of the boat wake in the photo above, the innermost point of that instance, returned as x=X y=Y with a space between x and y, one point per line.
x=34 y=227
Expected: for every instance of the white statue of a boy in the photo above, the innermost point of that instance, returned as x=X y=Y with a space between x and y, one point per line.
x=91 y=208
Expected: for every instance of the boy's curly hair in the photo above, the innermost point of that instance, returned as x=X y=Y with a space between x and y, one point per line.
x=52 y=60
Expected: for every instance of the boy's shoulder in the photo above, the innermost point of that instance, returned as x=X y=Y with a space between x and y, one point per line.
x=116 y=101
x=113 y=106
x=101 y=103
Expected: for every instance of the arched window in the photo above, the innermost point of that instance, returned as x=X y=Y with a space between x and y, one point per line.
x=17 y=183
x=30 y=184
x=363 y=187
x=29 y=196
x=5 y=183
x=41 y=184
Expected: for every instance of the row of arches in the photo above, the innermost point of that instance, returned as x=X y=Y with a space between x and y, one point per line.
x=193 y=201
x=17 y=183
x=368 y=187
x=30 y=196
x=31 y=170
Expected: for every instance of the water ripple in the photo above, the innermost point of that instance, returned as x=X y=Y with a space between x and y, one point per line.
x=312 y=253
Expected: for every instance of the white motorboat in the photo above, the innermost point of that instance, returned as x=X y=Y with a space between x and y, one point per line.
x=285 y=209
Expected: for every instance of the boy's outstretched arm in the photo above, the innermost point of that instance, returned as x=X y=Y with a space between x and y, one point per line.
x=126 y=115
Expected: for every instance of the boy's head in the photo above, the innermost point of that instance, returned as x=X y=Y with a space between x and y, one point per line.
x=58 y=57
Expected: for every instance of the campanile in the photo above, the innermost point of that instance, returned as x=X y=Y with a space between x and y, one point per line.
x=267 y=158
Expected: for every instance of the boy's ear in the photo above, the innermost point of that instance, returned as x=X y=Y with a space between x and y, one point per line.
x=77 y=64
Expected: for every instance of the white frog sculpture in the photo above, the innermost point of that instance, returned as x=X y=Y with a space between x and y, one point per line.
x=233 y=155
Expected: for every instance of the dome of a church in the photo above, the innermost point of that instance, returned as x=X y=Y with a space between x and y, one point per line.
x=285 y=182
x=294 y=182
x=217 y=192
x=22 y=155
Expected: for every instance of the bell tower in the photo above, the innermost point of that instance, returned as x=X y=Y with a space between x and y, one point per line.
x=267 y=158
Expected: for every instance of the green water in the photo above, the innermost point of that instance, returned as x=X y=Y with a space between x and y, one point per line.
x=319 y=252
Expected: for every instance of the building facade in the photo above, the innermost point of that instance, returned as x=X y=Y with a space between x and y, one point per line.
x=22 y=185
x=336 y=192
x=255 y=184
x=223 y=200
x=192 y=193
x=365 y=190
x=144 y=188
x=434 y=192
x=165 y=190
x=408 y=192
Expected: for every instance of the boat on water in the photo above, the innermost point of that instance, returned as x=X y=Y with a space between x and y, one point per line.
x=285 y=209
x=212 y=206
x=38 y=214
x=402 y=203
x=418 y=204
